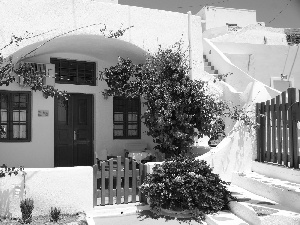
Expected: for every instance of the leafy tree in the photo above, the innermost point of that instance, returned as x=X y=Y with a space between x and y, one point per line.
x=178 y=109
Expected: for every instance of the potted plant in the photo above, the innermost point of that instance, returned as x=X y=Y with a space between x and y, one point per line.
x=184 y=187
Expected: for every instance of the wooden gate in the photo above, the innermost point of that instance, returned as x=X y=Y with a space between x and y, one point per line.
x=279 y=132
x=116 y=183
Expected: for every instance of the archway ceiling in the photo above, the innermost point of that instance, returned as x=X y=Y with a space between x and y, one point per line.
x=100 y=47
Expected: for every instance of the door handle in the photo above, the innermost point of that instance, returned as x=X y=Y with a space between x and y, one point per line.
x=75 y=135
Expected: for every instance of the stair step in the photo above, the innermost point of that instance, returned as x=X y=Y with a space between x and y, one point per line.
x=117 y=210
x=206 y=63
x=284 y=192
x=276 y=171
x=257 y=210
x=224 y=218
x=210 y=70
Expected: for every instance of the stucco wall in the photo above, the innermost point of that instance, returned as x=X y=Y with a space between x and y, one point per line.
x=239 y=79
x=38 y=152
x=151 y=28
x=45 y=187
x=264 y=61
x=218 y=16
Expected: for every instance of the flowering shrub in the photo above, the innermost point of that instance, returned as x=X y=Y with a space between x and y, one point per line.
x=184 y=183
x=178 y=108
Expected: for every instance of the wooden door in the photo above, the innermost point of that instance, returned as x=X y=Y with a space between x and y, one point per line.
x=73 y=131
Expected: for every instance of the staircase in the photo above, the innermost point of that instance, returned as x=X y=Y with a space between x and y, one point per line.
x=208 y=66
x=269 y=195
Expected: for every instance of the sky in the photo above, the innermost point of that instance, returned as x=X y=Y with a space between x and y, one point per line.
x=275 y=13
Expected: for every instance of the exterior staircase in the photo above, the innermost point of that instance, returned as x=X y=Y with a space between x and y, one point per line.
x=208 y=67
x=268 y=195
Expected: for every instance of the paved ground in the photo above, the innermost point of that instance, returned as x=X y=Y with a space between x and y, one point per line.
x=145 y=218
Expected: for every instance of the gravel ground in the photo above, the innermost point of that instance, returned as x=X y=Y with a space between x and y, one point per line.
x=145 y=218
x=74 y=219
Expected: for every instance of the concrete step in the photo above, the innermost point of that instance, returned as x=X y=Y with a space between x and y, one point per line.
x=116 y=210
x=276 y=171
x=284 y=192
x=210 y=70
x=207 y=63
x=257 y=210
x=224 y=218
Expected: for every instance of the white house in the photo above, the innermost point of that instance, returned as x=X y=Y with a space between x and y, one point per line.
x=262 y=52
x=43 y=132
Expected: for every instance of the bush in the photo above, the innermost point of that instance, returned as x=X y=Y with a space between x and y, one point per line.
x=26 y=209
x=55 y=214
x=184 y=183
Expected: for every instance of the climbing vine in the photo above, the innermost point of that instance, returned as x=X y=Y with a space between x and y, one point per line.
x=7 y=171
x=32 y=78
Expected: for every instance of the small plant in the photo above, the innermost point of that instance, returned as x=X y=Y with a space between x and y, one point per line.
x=184 y=183
x=27 y=206
x=55 y=214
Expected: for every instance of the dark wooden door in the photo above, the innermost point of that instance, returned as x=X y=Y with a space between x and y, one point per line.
x=73 y=131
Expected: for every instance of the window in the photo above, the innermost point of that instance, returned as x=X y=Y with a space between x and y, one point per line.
x=126 y=118
x=15 y=115
x=74 y=72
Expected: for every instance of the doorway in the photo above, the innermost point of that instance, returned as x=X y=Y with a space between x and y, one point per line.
x=73 y=131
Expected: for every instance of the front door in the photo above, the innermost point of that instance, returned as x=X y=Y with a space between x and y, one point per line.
x=73 y=131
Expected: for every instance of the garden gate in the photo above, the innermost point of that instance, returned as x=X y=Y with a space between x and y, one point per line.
x=279 y=132
x=115 y=183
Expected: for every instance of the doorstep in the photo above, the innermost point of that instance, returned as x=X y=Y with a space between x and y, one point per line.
x=116 y=210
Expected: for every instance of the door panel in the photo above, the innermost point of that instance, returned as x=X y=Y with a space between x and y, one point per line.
x=74 y=131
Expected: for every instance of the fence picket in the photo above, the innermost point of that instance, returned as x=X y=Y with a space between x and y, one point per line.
x=140 y=177
x=119 y=179
x=126 y=180
x=284 y=129
x=263 y=132
x=103 y=164
x=291 y=100
x=268 y=156
x=273 y=134
x=133 y=181
x=111 y=182
x=279 y=133
x=258 y=132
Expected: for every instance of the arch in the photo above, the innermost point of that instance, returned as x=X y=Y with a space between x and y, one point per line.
x=96 y=46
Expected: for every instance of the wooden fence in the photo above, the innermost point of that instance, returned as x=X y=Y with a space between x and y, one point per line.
x=279 y=131
x=115 y=183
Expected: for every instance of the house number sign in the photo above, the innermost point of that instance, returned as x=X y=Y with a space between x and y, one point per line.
x=43 y=113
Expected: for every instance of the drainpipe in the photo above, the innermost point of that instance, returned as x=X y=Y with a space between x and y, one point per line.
x=190 y=42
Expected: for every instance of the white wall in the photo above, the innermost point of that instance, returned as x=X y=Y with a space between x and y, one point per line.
x=239 y=79
x=36 y=153
x=45 y=187
x=151 y=28
x=264 y=61
x=218 y=16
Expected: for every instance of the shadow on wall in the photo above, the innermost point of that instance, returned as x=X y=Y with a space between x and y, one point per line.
x=236 y=152
x=12 y=191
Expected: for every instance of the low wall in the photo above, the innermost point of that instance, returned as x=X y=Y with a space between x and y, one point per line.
x=69 y=188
